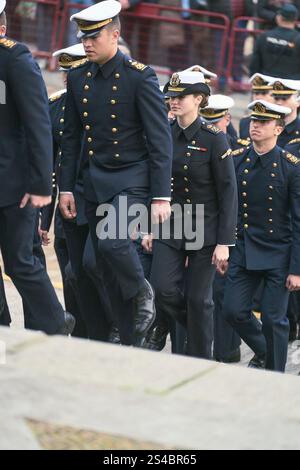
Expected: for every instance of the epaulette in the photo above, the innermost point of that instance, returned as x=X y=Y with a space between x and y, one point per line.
x=243 y=142
x=8 y=43
x=55 y=96
x=237 y=152
x=79 y=63
x=294 y=141
x=290 y=157
x=211 y=128
x=137 y=65
x=226 y=154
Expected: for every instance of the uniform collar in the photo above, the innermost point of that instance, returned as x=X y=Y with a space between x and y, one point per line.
x=190 y=131
x=292 y=126
x=267 y=158
x=108 y=68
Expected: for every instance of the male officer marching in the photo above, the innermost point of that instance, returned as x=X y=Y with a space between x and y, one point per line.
x=25 y=181
x=268 y=245
x=128 y=151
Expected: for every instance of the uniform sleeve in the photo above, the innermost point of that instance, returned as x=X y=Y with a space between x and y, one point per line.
x=256 y=61
x=294 y=196
x=154 y=116
x=71 y=142
x=226 y=187
x=29 y=92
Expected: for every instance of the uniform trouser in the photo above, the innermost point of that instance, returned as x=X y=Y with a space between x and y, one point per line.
x=195 y=311
x=70 y=287
x=5 y=318
x=26 y=271
x=117 y=258
x=226 y=340
x=270 y=338
x=92 y=307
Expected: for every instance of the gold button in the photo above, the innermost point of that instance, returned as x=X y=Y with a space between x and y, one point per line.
x=270 y=187
x=185 y=167
x=193 y=142
x=271 y=231
x=271 y=220
x=86 y=87
x=270 y=209
x=185 y=178
x=244 y=194
x=84 y=100
x=60 y=153
x=273 y=175
x=114 y=88
x=246 y=225
x=188 y=154
x=187 y=190
x=87 y=128
x=89 y=74
x=247 y=160
x=245 y=215
x=90 y=139
x=91 y=152
x=246 y=171
x=172 y=179
x=275 y=165
x=113 y=101
x=270 y=198
x=60 y=132
x=244 y=183
x=117 y=155
x=63 y=108
x=245 y=205
x=116 y=142
x=117 y=75
x=85 y=114
x=62 y=120
x=188 y=201
x=114 y=129
x=113 y=116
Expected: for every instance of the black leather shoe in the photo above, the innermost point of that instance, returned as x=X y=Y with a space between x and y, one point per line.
x=293 y=331
x=144 y=313
x=68 y=326
x=158 y=338
x=257 y=362
x=234 y=356
x=114 y=336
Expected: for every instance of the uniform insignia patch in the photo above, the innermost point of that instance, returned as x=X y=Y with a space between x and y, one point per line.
x=7 y=43
x=244 y=142
x=79 y=62
x=291 y=158
x=212 y=128
x=55 y=96
x=294 y=141
x=226 y=154
x=137 y=65
x=236 y=152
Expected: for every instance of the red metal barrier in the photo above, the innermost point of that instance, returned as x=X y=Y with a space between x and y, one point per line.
x=36 y=25
x=158 y=35
x=237 y=73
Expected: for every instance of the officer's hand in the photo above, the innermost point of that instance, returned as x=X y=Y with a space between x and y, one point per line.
x=67 y=206
x=44 y=237
x=160 y=211
x=293 y=282
x=35 y=201
x=147 y=242
x=220 y=258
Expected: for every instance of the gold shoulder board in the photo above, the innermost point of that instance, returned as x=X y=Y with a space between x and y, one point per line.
x=7 y=43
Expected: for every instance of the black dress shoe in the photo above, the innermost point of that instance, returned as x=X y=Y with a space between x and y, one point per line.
x=234 y=357
x=114 y=336
x=144 y=313
x=257 y=362
x=158 y=338
x=68 y=326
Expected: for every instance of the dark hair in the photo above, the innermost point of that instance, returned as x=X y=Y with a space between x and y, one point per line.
x=3 y=19
x=115 y=23
x=280 y=122
x=204 y=101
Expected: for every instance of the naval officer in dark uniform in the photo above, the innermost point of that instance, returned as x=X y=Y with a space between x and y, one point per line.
x=183 y=269
x=268 y=245
x=116 y=101
x=25 y=175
